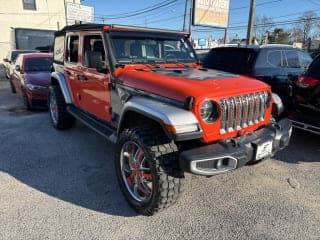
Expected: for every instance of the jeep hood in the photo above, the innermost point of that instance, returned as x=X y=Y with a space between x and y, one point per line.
x=180 y=82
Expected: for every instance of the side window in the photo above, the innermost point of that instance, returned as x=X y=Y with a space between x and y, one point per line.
x=58 y=50
x=274 y=58
x=73 y=49
x=292 y=59
x=93 y=50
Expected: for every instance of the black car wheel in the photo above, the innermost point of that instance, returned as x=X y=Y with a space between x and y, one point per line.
x=26 y=100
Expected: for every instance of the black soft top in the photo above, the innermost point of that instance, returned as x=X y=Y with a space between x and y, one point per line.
x=100 y=27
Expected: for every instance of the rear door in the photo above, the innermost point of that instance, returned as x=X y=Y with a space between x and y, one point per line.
x=72 y=66
x=94 y=77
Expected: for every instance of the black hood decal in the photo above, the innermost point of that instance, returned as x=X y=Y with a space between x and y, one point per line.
x=195 y=74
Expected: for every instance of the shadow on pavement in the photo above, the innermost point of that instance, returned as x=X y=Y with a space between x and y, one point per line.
x=75 y=166
x=304 y=147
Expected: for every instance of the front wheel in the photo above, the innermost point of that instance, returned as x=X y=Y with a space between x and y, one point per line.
x=26 y=101
x=147 y=169
x=60 y=117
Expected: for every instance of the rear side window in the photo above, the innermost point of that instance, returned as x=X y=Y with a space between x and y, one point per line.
x=73 y=49
x=58 y=49
x=292 y=59
x=274 y=58
x=231 y=60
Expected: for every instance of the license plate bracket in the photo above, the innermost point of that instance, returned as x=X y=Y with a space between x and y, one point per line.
x=263 y=150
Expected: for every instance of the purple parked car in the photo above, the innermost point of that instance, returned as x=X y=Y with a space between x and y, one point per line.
x=31 y=78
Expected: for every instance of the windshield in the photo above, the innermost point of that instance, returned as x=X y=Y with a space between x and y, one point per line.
x=151 y=50
x=15 y=54
x=235 y=60
x=38 y=64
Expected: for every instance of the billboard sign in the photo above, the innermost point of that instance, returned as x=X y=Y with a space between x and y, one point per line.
x=77 y=12
x=212 y=13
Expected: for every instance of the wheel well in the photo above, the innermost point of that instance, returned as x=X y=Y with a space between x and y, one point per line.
x=134 y=119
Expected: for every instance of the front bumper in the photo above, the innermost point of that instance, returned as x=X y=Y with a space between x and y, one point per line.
x=231 y=154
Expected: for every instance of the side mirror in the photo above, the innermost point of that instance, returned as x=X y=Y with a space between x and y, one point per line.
x=17 y=68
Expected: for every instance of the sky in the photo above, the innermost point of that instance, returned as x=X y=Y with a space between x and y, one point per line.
x=171 y=16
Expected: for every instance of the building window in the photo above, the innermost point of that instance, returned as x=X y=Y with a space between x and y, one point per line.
x=29 y=4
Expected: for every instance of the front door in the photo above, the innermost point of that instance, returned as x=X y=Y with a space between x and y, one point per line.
x=94 y=77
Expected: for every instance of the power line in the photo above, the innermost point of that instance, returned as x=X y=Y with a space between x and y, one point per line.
x=163 y=4
x=279 y=23
x=143 y=18
x=258 y=4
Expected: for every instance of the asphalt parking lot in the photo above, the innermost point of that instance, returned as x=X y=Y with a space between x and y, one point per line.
x=62 y=185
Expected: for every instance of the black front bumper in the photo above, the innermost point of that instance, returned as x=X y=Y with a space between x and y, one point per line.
x=233 y=153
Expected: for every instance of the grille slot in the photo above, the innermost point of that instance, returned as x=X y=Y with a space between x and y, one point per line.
x=242 y=111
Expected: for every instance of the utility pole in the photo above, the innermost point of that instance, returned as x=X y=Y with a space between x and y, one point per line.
x=184 y=16
x=251 y=21
x=191 y=16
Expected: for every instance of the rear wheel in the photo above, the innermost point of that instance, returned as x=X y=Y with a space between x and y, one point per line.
x=146 y=163
x=60 y=117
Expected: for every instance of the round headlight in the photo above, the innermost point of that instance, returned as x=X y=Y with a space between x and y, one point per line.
x=209 y=111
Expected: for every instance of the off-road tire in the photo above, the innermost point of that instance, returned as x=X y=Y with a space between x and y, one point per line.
x=64 y=119
x=13 y=89
x=167 y=178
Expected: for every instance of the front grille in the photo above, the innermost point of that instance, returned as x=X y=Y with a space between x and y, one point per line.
x=242 y=111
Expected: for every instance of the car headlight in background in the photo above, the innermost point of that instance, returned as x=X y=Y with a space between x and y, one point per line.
x=209 y=111
x=33 y=87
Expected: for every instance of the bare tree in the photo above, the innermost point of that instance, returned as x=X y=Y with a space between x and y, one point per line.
x=296 y=34
x=307 y=22
x=263 y=24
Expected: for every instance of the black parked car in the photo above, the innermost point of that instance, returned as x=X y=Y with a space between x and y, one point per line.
x=277 y=65
x=306 y=114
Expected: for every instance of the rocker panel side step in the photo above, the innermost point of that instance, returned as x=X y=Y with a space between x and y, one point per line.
x=93 y=123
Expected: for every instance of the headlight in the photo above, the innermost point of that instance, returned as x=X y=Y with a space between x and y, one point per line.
x=278 y=107
x=33 y=87
x=209 y=111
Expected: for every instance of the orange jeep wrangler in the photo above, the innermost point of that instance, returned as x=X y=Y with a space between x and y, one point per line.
x=144 y=90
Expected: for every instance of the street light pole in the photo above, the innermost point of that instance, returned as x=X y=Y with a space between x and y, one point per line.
x=251 y=21
x=184 y=16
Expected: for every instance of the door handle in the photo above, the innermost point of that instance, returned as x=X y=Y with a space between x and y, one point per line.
x=68 y=72
x=82 y=78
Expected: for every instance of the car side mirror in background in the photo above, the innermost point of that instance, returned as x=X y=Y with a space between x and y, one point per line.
x=18 y=68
